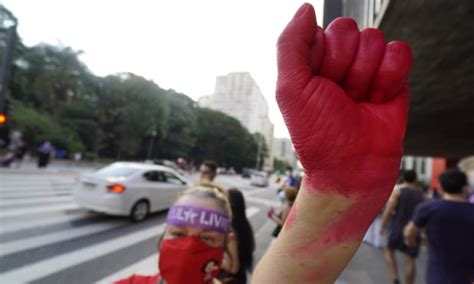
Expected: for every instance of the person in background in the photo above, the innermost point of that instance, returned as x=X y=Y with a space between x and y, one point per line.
x=289 y=180
x=449 y=225
x=208 y=170
x=20 y=151
x=373 y=236
x=279 y=219
x=241 y=248
x=44 y=153
x=400 y=208
x=7 y=159
x=197 y=233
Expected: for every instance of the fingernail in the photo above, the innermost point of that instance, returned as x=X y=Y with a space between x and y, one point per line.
x=302 y=10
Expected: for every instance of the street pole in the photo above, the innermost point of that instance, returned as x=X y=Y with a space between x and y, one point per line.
x=259 y=143
x=150 y=145
x=5 y=70
x=5 y=66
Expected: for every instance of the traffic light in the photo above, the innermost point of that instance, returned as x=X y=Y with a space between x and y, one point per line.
x=4 y=139
x=3 y=119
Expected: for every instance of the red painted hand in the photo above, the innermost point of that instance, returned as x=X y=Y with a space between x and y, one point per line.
x=344 y=98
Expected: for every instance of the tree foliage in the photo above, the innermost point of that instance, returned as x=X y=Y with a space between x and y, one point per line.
x=222 y=138
x=121 y=116
x=38 y=127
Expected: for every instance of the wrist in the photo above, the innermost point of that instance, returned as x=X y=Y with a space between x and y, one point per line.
x=376 y=185
x=356 y=211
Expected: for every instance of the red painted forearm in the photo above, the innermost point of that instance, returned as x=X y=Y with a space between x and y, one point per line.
x=344 y=98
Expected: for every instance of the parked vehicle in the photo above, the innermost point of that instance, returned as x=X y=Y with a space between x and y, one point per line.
x=129 y=189
x=259 y=179
x=246 y=173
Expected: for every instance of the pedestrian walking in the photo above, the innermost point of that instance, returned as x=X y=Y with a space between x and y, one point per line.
x=399 y=210
x=198 y=228
x=449 y=226
x=44 y=153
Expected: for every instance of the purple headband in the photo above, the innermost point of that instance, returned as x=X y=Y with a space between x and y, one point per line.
x=198 y=217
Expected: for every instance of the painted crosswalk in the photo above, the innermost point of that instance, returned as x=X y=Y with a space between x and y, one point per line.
x=46 y=237
x=51 y=238
x=39 y=210
x=15 y=225
x=36 y=201
x=55 y=264
x=35 y=194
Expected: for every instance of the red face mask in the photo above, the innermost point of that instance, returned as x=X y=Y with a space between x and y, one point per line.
x=189 y=260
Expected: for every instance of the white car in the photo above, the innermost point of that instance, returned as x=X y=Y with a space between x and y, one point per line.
x=130 y=189
x=259 y=179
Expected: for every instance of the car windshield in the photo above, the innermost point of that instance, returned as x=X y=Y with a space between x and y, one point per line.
x=115 y=170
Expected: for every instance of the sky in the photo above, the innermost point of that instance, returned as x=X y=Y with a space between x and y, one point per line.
x=180 y=45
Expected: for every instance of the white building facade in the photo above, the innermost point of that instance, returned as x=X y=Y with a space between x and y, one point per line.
x=283 y=150
x=238 y=95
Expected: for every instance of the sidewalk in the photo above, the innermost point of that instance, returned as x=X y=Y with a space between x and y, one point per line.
x=368 y=266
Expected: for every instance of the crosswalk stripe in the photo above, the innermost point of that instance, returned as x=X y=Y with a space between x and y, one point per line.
x=251 y=211
x=258 y=191
x=17 y=225
x=35 y=194
x=34 y=182
x=263 y=201
x=51 y=238
x=55 y=264
x=36 y=201
x=148 y=266
x=35 y=189
x=36 y=210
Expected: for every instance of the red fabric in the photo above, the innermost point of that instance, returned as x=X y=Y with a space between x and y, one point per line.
x=344 y=97
x=189 y=260
x=140 y=279
x=439 y=166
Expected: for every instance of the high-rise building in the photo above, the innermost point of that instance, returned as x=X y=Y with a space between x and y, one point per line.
x=283 y=150
x=238 y=95
x=367 y=13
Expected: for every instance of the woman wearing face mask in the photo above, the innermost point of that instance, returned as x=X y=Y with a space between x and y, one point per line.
x=198 y=228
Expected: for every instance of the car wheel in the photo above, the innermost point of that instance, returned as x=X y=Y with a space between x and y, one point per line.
x=139 y=211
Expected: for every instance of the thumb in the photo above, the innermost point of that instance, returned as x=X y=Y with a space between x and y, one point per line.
x=393 y=115
x=293 y=52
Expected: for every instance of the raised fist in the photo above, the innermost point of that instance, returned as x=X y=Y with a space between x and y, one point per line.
x=344 y=98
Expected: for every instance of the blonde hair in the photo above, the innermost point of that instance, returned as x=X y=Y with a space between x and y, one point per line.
x=208 y=192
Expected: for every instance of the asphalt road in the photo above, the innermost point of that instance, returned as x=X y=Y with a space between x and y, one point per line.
x=46 y=238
